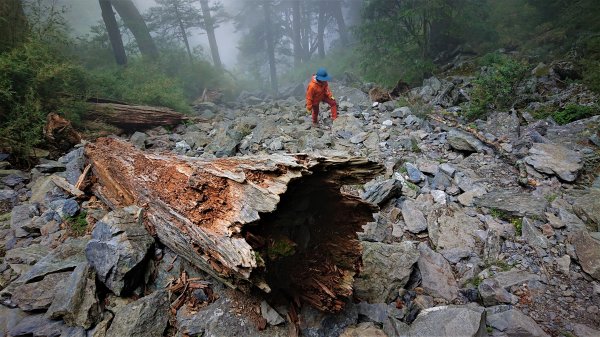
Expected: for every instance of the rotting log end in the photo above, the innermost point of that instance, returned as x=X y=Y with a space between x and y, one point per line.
x=279 y=222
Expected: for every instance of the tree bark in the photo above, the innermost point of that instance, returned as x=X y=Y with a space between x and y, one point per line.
x=183 y=32
x=336 y=12
x=270 y=45
x=136 y=24
x=209 y=26
x=133 y=117
x=321 y=30
x=114 y=35
x=13 y=24
x=296 y=27
x=278 y=222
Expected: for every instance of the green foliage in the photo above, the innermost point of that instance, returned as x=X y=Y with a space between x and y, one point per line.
x=281 y=247
x=518 y=223
x=570 y=113
x=77 y=225
x=551 y=197
x=34 y=81
x=496 y=86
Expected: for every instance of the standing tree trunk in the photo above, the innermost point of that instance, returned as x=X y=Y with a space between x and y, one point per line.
x=321 y=30
x=209 y=26
x=114 y=35
x=270 y=45
x=279 y=222
x=135 y=23
x=13 y=24
x=183 y=32
x=307 y=32
x=296 y=20
x=336 y=12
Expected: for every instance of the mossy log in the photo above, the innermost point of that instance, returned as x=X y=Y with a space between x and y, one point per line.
x=279 y=222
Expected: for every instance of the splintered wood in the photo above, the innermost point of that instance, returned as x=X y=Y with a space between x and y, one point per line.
x=278 y=222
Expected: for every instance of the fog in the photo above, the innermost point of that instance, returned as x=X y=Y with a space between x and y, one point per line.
x=82 y=14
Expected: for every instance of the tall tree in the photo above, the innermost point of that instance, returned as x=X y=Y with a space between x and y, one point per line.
x=209 y=27
x=270 y=44
x=136 y=24
x=322 y=23
x=335 y=9
x=13 y=23
x=174 y=19
x=296 y=30
x=114 y=35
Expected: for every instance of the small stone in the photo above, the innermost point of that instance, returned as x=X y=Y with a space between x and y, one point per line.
x=564 y=262
x=269 y=314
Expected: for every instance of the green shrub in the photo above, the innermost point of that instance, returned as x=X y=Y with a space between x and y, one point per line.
x=496 y=86
x=77 y=225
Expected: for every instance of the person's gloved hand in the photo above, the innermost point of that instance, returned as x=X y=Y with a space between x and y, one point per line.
x=309 y=111
x=332 y=98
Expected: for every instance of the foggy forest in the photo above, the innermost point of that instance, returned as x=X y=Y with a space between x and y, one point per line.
x=299 y=168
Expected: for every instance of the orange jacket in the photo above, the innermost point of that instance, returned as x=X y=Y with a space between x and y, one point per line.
x=317 y=92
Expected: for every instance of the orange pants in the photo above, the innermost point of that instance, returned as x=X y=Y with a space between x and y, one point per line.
x=315 y=109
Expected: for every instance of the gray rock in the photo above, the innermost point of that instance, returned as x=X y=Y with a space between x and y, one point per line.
x=13 y=180
x=138 y=139
x=9 y=318
x=463 y=141
x=21 y=219
x=386 y=268
x=513 y=202
x=314 y=323
x=364 y=329
x=440 y=181
x=515 y=277
x=37 y=325
x=587 y=206
x=276 y=145
x=38 y=295
x=67 y=256
x=29 y=255
x=448 y=169
x=375 y=231
x=118 y=250
x=74 y=163
x=146 y=317
x=564 y=263
x=269 y=314
x=532 y=235
x=514 y=324
x=492 y=293
x=450 y=321
x=359 y=138
x=65 y=207
x=436 y=274
x=414 y=175
x=401 y=112
x=377 y=312
x=100 y=329
x=453 y=232
x=51 y=166
x=466 y=199
x=581 y=330
x=378 y=192
x=413 y=217
x=588 y=253
x=75 y=300
x=555 y=159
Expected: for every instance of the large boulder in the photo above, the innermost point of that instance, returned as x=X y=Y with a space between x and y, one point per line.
x=65 y=257
x=378 y=192
x=453 y=232
x=118 y=250
x=513 y=323
x=38 y=295
x=587 y=207
x=450 y=321
x=75 y=300
x=436 y=274
x=386 y=269
x=146 y=317
x=514 y=203
x=588 y=253
x=463 y=141
x=413 y=217
x=555 y=159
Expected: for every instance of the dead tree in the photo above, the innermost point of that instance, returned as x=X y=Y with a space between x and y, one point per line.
x=279 y=222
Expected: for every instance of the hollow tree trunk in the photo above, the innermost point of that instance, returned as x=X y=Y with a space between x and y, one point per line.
x=114 y=35
x=279 y=222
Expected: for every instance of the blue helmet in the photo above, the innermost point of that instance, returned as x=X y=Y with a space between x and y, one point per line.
x=322 y=75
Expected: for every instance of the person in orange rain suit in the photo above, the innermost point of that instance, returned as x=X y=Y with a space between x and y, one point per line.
x=317 y=92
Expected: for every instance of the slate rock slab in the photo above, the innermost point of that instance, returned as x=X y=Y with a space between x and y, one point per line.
x=555 y=159
x=65 y=257
x=587 y=206
x=452 y=320
x=38 y=295
x=436 y=274
x=413 y=217
x=146 y=317
x=118 y=250
x=588 y=253
x=386 y=268
x=514 y=323
x=378 y=192
x=515 y=203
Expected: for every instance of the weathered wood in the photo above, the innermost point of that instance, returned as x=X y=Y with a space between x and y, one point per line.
x=66 y=186
x=133 y=116
x=279 y=222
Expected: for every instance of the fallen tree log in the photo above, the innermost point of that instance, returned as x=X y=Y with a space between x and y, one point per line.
x=133 y=117
x=279 y=222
